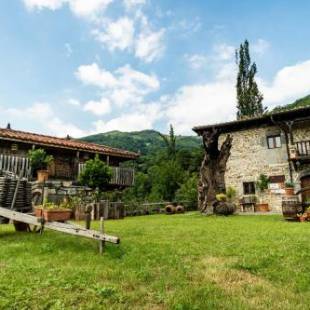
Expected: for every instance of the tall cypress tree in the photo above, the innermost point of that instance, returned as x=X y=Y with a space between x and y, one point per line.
x=248 y=96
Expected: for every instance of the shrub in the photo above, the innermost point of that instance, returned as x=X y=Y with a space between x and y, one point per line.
x=188 y=192
x=289 y=184
x=221 y=197
x=231 y=193
x=39 y=160
x=96 y=174
x=262 y=182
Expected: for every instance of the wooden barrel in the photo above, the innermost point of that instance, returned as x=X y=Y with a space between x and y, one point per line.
x=291 y=206
x=170 y=209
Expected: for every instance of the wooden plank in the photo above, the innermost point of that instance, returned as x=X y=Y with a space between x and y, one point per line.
x=61 y=227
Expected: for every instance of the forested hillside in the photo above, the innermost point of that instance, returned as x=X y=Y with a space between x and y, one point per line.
x=302 y=102
x=145 y=142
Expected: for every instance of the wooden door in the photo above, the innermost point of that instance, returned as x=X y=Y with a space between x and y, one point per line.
x=305 y=183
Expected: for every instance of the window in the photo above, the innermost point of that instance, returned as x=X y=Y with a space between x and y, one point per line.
x=277 y=179
x=248 y=188
x=274 y=142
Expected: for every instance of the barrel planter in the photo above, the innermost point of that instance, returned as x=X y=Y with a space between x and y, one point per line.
x=261 y=207
x=170 y=209
x=291 y=207
x=179 y=209
x=51 y=215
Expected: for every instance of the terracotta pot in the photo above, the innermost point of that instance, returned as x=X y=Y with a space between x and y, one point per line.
x=302 y=219
x=42 y=175
x=261 y=207
x=289 y=191
x=58 y=215
x=170 y=209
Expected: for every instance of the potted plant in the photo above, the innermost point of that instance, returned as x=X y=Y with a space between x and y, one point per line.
x=39 y=161
x=262 y=184
x=52 y=212
x=289 y=188
x=302 y=217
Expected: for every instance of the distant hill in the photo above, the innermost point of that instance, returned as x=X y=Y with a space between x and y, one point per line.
x=145 y=141
x=302 y=102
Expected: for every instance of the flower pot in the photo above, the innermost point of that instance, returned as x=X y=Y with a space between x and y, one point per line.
x=289 y=191
x=42 y=175
x=57 y=215
x=261 y=207
x=302 y=219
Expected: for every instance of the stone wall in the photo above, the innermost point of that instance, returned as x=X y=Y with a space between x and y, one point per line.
x=251 y=157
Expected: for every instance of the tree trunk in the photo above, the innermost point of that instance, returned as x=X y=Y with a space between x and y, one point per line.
x=212 y=171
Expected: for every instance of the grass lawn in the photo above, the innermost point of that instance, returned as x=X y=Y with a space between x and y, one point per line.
x=163 y=262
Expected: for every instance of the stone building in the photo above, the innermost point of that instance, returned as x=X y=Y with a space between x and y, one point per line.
x=276 y=145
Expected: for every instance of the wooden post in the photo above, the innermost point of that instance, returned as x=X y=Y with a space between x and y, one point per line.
x=88 y=216
x=101 y=242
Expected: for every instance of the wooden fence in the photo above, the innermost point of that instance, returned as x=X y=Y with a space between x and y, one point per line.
x=15 y=164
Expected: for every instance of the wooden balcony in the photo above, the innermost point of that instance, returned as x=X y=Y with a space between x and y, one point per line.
x=120 y=176
x=303 y=148
x=300 y=152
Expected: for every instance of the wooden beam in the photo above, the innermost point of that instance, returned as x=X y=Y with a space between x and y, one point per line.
x=67 y=228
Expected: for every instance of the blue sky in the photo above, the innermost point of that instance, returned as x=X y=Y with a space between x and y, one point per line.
x=80 y=67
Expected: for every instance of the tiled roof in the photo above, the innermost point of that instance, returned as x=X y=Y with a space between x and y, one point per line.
x=268 y=118
x=27 y=137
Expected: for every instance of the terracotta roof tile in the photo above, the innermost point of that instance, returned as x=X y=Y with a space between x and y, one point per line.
x=28 y=137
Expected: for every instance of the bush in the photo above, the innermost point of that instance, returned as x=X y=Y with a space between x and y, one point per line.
x=262 y=182
x=188 y=192
x=96 y=174
x=39 y=160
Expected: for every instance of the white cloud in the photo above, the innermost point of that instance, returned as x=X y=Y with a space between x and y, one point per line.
x=215 y=101
x=224 y=51
x=89 y=8
x=196 y=61
x=149 y=45
x=73 y=102
x=81 y=8
x=42 y=114
x=260 y=47
x=201 y=104
x=142 y=117
x=68 y=49
x=44 y=4
x=124 y=86
x=129 y=4
x=98 y=107
x=289 y=83
x=117 y=35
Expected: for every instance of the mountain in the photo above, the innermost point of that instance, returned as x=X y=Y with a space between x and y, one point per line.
x=302 y=102
x=145 y=141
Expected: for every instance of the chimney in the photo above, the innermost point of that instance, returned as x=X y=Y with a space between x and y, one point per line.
x=8 y=126
x=68 y=137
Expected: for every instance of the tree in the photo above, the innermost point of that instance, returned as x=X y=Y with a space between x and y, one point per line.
x=212 y=171
x=96 y=174
x=170 y=142
x=188 y=192
x=166 y=180
x=248 y=96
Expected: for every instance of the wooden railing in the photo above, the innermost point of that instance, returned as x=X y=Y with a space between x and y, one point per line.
x=303 y=148
x=15 y=164
x=120 y=176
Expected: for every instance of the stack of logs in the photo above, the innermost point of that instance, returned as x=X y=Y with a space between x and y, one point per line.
x=105 y=209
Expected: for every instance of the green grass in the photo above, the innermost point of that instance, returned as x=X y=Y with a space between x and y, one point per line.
x=163 y=262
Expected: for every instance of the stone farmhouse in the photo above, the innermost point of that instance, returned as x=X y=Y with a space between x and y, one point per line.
x=276 y=145
x=69 y=156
